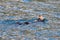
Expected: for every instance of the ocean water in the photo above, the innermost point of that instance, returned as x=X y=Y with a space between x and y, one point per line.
x=12 y=11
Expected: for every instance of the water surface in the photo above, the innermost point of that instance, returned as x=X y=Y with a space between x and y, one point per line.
x=12 y=11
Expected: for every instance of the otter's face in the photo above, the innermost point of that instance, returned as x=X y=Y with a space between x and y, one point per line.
x=41 y=17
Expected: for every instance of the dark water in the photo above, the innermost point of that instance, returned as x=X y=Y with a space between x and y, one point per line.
x=12 y=10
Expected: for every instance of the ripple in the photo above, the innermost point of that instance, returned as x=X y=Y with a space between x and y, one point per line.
x=26 y=0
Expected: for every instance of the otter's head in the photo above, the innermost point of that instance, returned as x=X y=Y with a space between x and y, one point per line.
x=40 y=17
